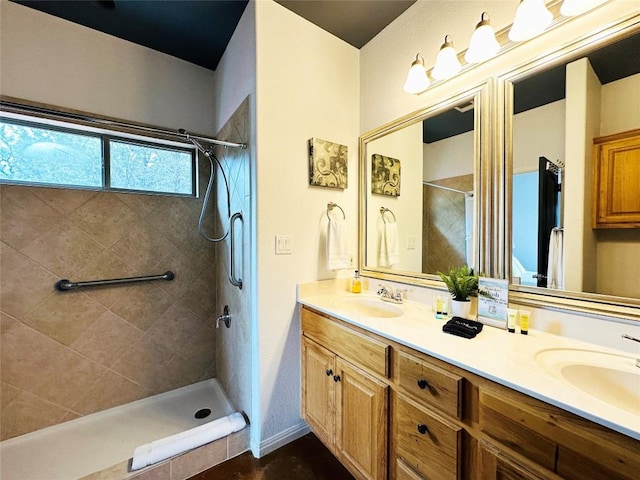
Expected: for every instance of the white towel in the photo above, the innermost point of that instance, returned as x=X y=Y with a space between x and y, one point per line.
x=337 y=254
x=555 y=268
x=389 y=245
x=167 y=447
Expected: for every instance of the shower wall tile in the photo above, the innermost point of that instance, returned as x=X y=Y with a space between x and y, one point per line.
x=198 y=460
x=23 y=283
x=68 y=354
x=107 y=339
x=105 y=218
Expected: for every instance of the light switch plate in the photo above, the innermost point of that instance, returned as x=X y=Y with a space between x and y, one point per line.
x=284 y=244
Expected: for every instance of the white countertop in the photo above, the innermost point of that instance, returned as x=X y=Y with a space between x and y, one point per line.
x=505 y=358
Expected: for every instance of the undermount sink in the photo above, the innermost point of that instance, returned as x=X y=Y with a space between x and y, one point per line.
x=368 y=307
x=610 y=378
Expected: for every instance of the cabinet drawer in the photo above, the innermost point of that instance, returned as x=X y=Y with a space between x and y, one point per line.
x=425 y=442
x=430 y=383
x=348 y=344
x=517 y=426
x=403 y=472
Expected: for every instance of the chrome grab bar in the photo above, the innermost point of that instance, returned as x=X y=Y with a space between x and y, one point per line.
x=232 y=269
x=65 y=285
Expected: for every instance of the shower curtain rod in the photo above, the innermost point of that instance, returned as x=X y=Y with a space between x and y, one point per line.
x=470 y=194
x=31 y=109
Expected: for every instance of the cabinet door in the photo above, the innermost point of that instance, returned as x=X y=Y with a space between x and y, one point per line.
x=361 y=422
x=318 y=390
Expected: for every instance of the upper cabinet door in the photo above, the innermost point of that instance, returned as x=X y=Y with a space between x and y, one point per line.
x=616 y=199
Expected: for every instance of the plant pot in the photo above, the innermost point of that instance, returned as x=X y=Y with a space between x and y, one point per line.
x=460 y=308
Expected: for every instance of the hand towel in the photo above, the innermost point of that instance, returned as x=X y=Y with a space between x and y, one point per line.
x=462 y=327
x=337 y=255
x=555 y=267
x=389 y=245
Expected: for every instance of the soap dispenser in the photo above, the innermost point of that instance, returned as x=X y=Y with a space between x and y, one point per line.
x=356 y=283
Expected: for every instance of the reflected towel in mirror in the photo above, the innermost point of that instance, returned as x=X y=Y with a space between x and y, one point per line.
x=555 y=268
x=389 y=245
x=337 y=254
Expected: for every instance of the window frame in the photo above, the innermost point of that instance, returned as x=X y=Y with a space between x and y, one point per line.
x=105 y=135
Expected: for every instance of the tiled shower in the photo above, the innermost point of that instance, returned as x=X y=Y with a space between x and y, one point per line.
x=65 y=355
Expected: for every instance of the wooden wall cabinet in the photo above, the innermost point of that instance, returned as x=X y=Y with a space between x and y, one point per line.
x=445 y=423
x=616 y=177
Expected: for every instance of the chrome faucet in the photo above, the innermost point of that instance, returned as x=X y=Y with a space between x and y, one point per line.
x=388 y=295
x=629 y=337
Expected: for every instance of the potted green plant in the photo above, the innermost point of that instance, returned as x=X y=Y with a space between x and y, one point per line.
x=462 y=284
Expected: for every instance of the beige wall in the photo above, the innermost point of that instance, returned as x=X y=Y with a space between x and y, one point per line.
x=68 y=354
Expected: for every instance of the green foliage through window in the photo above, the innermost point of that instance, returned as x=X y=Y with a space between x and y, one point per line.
x=38 y=153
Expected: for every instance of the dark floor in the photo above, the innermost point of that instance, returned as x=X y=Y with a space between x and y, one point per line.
x=303 y=459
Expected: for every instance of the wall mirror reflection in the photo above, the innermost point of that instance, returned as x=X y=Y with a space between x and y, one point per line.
x=430 y=162
x=557 y=114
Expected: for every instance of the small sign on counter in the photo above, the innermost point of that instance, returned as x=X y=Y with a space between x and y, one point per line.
x=493 y=301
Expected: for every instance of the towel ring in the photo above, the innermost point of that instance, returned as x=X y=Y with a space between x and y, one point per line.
x=384 y=210
x=331 y=206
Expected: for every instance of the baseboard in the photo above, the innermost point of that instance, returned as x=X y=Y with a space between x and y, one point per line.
x=281 y=439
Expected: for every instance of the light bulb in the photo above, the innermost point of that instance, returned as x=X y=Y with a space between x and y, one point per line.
x=447 y=63
x=532 y=18
x=417 y=80
x=483 y=45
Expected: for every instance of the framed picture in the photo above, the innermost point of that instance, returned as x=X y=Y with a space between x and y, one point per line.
x=492 y=307
x=328 y=164
x=385 y=175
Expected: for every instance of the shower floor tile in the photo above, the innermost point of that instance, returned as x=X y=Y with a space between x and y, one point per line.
x=303 y=459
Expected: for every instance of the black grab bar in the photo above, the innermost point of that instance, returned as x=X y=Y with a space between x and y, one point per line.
x=65 y=285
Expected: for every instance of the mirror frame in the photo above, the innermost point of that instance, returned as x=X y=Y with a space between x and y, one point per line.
x=482 y=167
x=582 y=302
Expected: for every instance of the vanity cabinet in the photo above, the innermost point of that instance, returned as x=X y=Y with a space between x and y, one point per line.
x=445 y=423
x=345 y=399
x=616 y=176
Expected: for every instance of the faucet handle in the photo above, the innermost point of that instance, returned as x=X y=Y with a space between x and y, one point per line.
x=399 y=292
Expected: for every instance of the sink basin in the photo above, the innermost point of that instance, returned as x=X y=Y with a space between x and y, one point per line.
x=368 y=307
x=610 y=378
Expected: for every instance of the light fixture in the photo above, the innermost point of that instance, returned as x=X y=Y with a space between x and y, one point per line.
x=447 y=63
x=417 y=80
x=483 y=45
x=572 y=8
x=532 y=18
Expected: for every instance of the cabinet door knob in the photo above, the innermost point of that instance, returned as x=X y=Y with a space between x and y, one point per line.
x=336 y=378
x=329 y=373
x=423 y=384
x=422 y=428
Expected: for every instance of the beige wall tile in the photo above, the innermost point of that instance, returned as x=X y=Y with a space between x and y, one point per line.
x=24 y=216
x=105 y=266
x=177 y=325
x=174 y=219
x=142 y=204
x=141 y=247
x=23 y=283
x=201 y=297
x=145 y=361
x=198 y=460
x=115 y=472
x=186 y=268
x=107 y=339
x=142 y=305
x=110 y=391
x=17 y=416
x=64 y=249
x=63 y=200
x=64 y=316
x=104 y=218
x=238 y=442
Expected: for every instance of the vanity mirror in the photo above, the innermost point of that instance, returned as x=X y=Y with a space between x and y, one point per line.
x=554 y=113
x=426 y=218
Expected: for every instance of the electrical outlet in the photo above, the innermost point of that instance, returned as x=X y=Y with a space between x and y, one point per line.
x=351 y=260
x=411 y=242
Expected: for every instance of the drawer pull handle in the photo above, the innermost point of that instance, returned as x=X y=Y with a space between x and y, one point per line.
x=329 y=373
x=422 y=428
x=336 y=378
x=423 y=384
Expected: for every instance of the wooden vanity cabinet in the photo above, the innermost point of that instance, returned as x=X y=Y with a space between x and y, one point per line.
x=343 y=401
x=616 y=177
x=444 y=422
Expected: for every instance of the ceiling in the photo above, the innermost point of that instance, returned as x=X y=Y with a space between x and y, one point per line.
x=198 y=31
